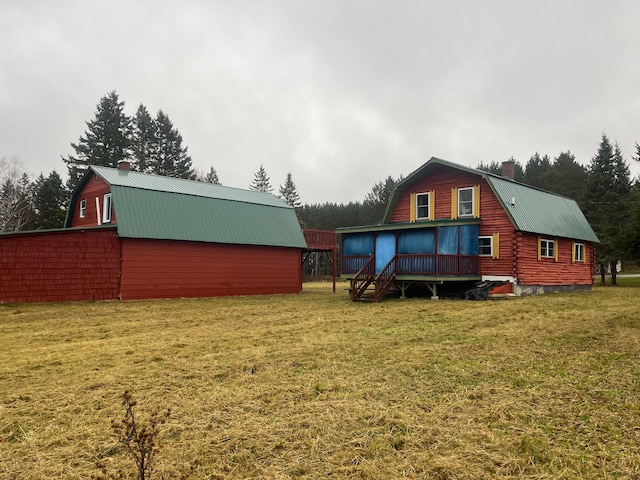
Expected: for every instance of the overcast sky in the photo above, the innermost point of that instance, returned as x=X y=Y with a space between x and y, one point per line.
x=339 y=93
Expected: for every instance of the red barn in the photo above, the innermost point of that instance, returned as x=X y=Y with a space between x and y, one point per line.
x=130 y=235
x=449 y=227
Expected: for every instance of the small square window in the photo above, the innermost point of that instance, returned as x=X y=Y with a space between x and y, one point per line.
x=485 y=246
x=83 y=208
x=422 y=206
x=465 y=202
x=106 y=208
x=578 y=252
x=547 y=248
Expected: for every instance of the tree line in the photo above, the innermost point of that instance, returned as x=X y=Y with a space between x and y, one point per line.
x=604 y=189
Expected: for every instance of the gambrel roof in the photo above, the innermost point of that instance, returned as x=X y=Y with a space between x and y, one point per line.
x=530 y=209
x=167 y=208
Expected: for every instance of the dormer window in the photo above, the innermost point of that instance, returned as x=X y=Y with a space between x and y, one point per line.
x=106 y=208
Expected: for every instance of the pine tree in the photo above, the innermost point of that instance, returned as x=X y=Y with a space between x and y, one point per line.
x=212 y=177
x=536 y=170
x=171 y=158
x=289 y=193
x=106 y=141
x=608 y=189
x=49 y=200
x=566 y=177
x=261 y=182
x=144 y=141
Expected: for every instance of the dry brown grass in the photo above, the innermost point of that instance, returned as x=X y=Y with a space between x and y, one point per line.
x=312 y=385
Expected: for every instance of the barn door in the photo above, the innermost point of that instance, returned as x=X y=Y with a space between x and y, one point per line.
x=385 y=250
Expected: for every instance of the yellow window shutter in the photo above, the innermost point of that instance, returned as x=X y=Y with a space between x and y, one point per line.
x=496 y=246
x=539 y=249
x=573 y=252
x=476 y=201
x=454 y=203
x=555 y=250
x=584 y=253
x=432 y=205
x=412 y=207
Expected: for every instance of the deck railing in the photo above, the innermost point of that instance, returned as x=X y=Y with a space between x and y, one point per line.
x=321 y=239
x=420 y=264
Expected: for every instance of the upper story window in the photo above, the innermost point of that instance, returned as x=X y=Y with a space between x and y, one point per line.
x=578 y=252
x=547 y=248
x=83 y=208
x=465 y=202
x=423 y=204
x=106 y=208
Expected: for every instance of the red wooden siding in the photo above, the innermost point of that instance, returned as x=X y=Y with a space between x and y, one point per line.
x=59 y=266
x=494 y=219
x=165 y=269
x=546 y=271
x=96 y=187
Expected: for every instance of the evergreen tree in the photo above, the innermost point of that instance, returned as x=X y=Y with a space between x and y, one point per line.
x=608 y=189
x=212 y=177
x=261 y=182
x=49 y=200
x=376 y=201
x=106 y=141
x=566 y=177
x=170 y=158
x=492 y=167
x=289 y=193
x=536 y=169
x=144 y=141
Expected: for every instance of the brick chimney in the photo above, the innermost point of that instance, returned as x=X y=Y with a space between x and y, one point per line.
x=509 y=169
x=124 y=165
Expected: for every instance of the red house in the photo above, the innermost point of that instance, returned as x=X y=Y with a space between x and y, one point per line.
x=449 y=227
x=130 y=235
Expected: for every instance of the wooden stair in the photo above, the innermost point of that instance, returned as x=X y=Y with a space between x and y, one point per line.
x=366 y=276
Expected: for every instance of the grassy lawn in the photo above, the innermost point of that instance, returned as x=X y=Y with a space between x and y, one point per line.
x=314 y=386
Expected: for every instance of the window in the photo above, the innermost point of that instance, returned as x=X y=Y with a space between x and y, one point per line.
x=83 y=208
x=422 y=206
x=578 y=252
x=465 y=202
x=106 y=208
x=547 y=248
x=485 y=246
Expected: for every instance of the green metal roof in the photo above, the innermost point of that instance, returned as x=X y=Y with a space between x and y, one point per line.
x=530 y=209
x=152 y=206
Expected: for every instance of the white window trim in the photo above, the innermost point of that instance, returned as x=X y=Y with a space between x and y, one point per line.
x=83 y=208
x=428 y=206
x=490 y=237
x=544 y=248
x=578 y=247
x=106 y=208
x=465 y=215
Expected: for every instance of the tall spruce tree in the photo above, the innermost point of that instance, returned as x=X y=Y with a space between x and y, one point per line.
x=289 y=193
x=49 y=200
x=608 y=188
x=170 y=158
x=261 y=182
x=106 y=141
x=144 y=140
